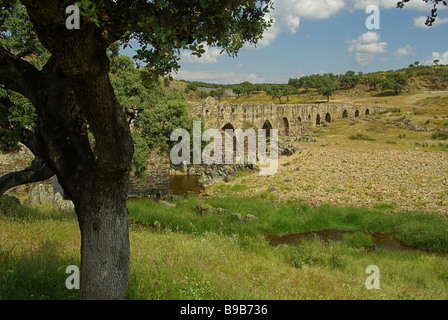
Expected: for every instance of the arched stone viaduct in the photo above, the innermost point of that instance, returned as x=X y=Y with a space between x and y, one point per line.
x=288 y=119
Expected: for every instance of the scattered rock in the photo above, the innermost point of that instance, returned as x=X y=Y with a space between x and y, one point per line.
x=251 y=217
x=61 y=204
x=41 y=196
x=272 y=189
x=239 y=216
x=305 y=138
x=216 y=173
x=207 y=209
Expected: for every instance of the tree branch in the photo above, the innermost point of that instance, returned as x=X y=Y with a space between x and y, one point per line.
x=36 y=172
x=18 y=75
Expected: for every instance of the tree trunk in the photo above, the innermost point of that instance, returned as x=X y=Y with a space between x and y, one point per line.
x=105 y=248
x=73 y=92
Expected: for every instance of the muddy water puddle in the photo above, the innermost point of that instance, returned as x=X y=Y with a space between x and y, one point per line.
x=181 y=185
x=380 y=241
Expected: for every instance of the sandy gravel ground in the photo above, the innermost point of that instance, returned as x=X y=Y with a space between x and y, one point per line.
x=357 y=174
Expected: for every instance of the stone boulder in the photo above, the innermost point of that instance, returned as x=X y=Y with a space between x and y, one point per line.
x=40 y=195
x=207 y=209
x=251 y=217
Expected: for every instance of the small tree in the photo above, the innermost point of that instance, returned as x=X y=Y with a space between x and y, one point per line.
x=350 y=78
x=296 y=83
x=395 y=81
x=276 y=92
x=327 y=88
x=288 y=90
x=218 y=93
x=247 y=88
x=237 y=90
x=202 y=94
x=375 y=80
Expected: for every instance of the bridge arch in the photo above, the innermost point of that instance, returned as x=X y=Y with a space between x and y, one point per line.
x=285 y=126
x=228 y=126
x=367 y=112
x=318 y=121
x=357 y=114
x=328 y=117
x=345 y=114
x=268 y=127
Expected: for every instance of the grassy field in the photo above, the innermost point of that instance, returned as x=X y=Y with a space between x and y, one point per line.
x=194 y=251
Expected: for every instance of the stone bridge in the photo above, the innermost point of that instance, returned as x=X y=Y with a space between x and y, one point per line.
x=289 y=120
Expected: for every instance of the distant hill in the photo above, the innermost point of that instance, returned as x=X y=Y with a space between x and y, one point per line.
x=367 y=87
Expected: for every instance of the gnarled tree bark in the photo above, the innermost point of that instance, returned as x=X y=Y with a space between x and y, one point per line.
x=36 y=172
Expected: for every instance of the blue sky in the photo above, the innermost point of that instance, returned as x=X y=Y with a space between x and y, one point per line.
x=322 y=36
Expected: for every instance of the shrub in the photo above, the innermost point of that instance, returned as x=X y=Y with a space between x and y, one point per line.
x=440 y=136
x=360 y=136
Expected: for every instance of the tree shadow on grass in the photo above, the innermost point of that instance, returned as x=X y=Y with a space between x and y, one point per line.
x=36 y=275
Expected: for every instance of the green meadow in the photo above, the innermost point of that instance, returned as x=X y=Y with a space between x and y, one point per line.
x=190 y=249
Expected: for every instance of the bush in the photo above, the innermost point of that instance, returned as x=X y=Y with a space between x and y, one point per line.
x=440 y=136
x=360 y=136
x=390 y=110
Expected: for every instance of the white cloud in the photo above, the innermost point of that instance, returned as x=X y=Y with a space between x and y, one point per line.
x=366 y=48
x=420 y=22
x=288 y=14
x=443 y=58
x=210 y=55
x=217 y=77
x=407 y=50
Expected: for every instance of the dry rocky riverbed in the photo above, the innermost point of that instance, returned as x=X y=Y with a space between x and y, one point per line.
x=357 y=173
x=352 y=173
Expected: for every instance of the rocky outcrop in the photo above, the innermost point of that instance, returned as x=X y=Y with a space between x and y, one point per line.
x=216 y=173
x=41 y=195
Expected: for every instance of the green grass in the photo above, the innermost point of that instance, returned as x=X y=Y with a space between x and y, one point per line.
x=357 y=240
x=360 y=136
x=35 y=251
x=215 y=256
x=414 y=229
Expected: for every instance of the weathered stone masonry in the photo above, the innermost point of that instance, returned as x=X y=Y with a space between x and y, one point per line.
x=288 y=119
